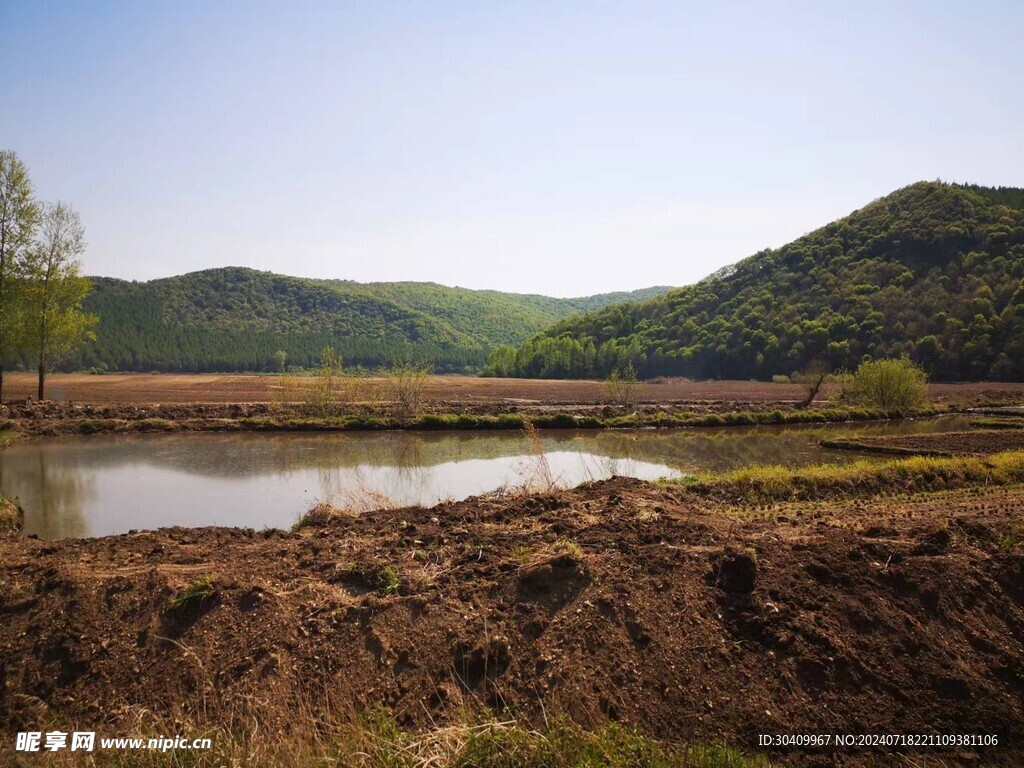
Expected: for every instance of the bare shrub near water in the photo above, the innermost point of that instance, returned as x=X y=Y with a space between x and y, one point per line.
x=812 y=378
x=622 y=386
x=324 y=386
x=540 y=478
x=323 y=392
x=408 y=383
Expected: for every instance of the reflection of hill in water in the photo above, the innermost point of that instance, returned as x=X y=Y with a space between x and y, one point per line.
x=249 y=454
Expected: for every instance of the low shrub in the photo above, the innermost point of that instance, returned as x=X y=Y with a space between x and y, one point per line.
x=556 y=421
x=893 y=385
x=745 y=419
x=433 y=421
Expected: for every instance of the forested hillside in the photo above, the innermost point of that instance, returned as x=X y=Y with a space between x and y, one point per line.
x=933 y=271
x=236 y=319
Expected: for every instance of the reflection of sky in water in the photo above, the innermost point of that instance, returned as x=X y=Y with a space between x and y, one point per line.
x=110 y=484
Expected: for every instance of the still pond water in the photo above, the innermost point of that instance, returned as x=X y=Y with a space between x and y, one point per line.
x=106 y=484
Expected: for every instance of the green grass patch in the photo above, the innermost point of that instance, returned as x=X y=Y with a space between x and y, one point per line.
x=304 y=521
x=567 y=746
x=384 y=580
x=758 y=485
x=94 y=426
x=375 y=740
x=485 y=742
x=155 y=425
x=1009 y=423
x=194 y=595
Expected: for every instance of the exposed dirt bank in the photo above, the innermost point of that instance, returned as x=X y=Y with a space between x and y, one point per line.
x=619 y=601
x=937 y=444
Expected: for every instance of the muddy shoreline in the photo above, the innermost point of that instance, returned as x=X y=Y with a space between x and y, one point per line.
x=972 y=443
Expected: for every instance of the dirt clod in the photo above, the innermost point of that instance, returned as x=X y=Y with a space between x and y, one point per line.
x=734 y=571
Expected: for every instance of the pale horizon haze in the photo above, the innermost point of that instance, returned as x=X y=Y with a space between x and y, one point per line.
x=557 y=148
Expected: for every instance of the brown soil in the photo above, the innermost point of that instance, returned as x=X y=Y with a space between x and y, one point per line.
x=230 y=388
x=618 y=601
x=938 y=443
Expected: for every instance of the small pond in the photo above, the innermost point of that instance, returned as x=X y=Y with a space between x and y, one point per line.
x=106 y=484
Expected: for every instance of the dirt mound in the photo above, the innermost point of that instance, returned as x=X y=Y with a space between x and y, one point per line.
x=617 y=601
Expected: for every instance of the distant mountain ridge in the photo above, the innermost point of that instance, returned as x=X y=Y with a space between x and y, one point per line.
x=933 y=271
x=236 y=319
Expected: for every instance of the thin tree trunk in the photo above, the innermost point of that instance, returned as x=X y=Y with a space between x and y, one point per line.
x=3 y=306
x=42 y=381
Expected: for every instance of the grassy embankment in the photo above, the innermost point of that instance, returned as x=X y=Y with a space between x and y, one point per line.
x=767 y=484
x=442 y=421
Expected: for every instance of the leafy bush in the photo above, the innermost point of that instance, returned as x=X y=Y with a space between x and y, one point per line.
x=892 y=385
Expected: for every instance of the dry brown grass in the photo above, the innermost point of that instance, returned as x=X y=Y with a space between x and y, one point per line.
x=245 y=388
x=473 y=739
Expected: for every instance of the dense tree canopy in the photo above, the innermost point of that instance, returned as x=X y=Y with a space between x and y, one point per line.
x=41 y=291
x=237 y=319
x=933 y=271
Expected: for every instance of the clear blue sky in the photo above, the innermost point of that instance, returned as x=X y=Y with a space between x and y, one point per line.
x=560 y=148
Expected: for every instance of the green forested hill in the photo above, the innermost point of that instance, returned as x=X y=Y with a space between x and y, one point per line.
x=933 y=271
x=235 y=319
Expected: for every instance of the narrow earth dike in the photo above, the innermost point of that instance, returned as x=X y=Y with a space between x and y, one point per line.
x=45 y=418
x=702 y=613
